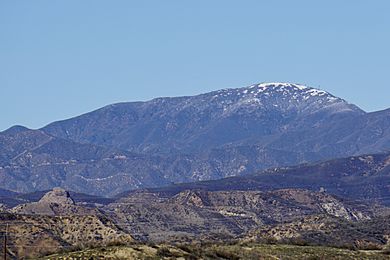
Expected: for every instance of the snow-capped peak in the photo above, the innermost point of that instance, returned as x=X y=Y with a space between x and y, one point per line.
x=282 y=85
x=289 y=86
x=280 y=88
x=279 y=96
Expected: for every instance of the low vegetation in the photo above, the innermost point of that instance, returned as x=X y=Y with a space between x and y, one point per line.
x=220 y=251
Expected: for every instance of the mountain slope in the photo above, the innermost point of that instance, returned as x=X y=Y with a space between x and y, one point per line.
x=327 y=230
x=365 y=178
x=258 y=113
x=37 y=161
x=31 y=236
x=223 y=215
x=230 y=132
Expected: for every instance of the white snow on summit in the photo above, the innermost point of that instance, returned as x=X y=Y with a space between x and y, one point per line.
x=286 y=89
x=279 y=86
x=282 y=85
x=282 y=96
x=264 y=99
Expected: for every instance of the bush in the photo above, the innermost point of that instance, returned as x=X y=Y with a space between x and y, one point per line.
x=370 y=246
x=163 y=252
x=386 y=251
x=227 y=255
x=116 y=243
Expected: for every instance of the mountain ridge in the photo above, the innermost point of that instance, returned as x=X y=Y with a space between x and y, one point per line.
x=360 y=178
x=224 y=133
x=190 y=119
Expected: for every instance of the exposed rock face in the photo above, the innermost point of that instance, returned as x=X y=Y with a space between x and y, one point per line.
x=55 y=202
x=192 y=198
x=228 y=214
x=324 y=202
x=59 y=196
x=327 y=230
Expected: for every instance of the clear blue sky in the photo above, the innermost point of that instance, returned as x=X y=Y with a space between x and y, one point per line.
x=59 y=59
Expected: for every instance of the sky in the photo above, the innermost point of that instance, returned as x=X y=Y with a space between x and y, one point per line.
x=59 y=59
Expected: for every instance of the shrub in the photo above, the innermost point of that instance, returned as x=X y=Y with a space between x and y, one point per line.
x=163 y=252
x=227 y=255
x=386 y=251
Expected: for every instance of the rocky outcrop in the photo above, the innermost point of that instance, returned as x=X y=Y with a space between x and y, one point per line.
x=55 y=202
x=58 y=196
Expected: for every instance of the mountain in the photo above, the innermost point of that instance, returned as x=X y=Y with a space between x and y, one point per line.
x=231 y=132
x=35 y=161
x=309 y=122
x=363 y=178
x=257 y=113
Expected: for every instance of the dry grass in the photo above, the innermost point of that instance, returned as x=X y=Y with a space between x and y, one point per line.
x=244 y=252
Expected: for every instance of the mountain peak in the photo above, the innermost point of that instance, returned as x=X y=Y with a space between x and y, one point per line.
x=287 y=90
x=282 y=84
x=291 y=87
x=278 y=96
